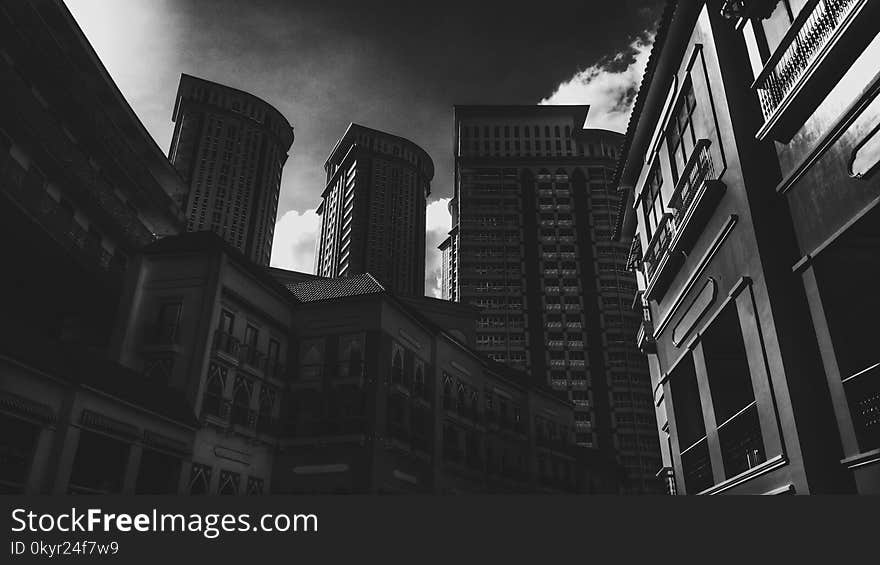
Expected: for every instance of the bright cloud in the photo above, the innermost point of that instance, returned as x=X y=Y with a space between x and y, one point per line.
x=295 y=237
x=438 y=222
x=608 y=86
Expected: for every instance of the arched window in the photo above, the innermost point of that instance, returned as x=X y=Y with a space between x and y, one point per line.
x=267 y=405
x=546 y=131
x=447 y=391
x=241 y=401
x=556 y=131
x=229 y=483
x=397 y=368
x=567 y=131
x=199 y=479
x=214 y=390
x=351 y=356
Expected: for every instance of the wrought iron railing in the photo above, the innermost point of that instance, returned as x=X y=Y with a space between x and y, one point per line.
x=863 y=397
x=809 y=34
x=658 y=245
x=697 y=170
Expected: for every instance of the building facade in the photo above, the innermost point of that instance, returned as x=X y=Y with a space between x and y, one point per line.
x=530 y=245
x=815 y=71
x=83 y=187
x=745 y=172
x=230 y=148
x=222 y=380
x=373 y=210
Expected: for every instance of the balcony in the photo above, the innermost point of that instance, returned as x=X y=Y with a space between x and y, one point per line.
x=161 y=335
x=810 y=59
x=863 y=397
x=57 y=221
x=645 y=337
x=693 y=200
x=225 y=343
x=216 y=408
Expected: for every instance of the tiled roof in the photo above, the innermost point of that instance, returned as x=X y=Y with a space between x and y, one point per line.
x=653 y=59
x=635 y=114
x=328 y=289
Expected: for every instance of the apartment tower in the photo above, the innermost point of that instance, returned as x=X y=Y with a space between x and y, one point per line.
x=230 y=147
x=532 y=219
x=373 y=210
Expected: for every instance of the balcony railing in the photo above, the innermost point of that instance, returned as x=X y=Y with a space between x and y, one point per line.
x=217 y=406
x=250 y=355
x=742 y=446
x=863 y=397
x=658 y=245
x=693 y=199
x=698 y=169
x=808 y=36
x=161 y=334
x=226 y=343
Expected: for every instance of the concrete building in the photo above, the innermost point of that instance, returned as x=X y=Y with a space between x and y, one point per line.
x=373 y=210
x=230 y=147
x=222 y=380
x=747 y=166
x=83 y=187
x=530 y=245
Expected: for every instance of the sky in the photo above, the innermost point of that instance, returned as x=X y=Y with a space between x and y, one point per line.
x=391 y=65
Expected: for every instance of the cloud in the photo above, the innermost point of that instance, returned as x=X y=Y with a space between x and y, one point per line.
x=438 y=222
x=608 y=86
x=295 y=237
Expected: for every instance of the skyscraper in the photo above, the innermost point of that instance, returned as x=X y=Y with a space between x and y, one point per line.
x=229 y=146
x=373 y=210
x=532 y=219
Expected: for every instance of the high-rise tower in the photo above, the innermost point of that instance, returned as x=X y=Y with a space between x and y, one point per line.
x=532 y=220
x=230 y=147
x=373 y=210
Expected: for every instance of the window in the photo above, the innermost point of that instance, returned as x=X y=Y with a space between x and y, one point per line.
x=229 y=483
x=214 y=388
x=733 y=398
x=351 y=355
x=169 y=318
x=241 y=401
x=311 y=365
x=680 y=135
x=652 y=200
x=199 y=479
x=397 y=365
x=690 y=426
x=273 y=354
x=227 y=322
x=251 y=337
